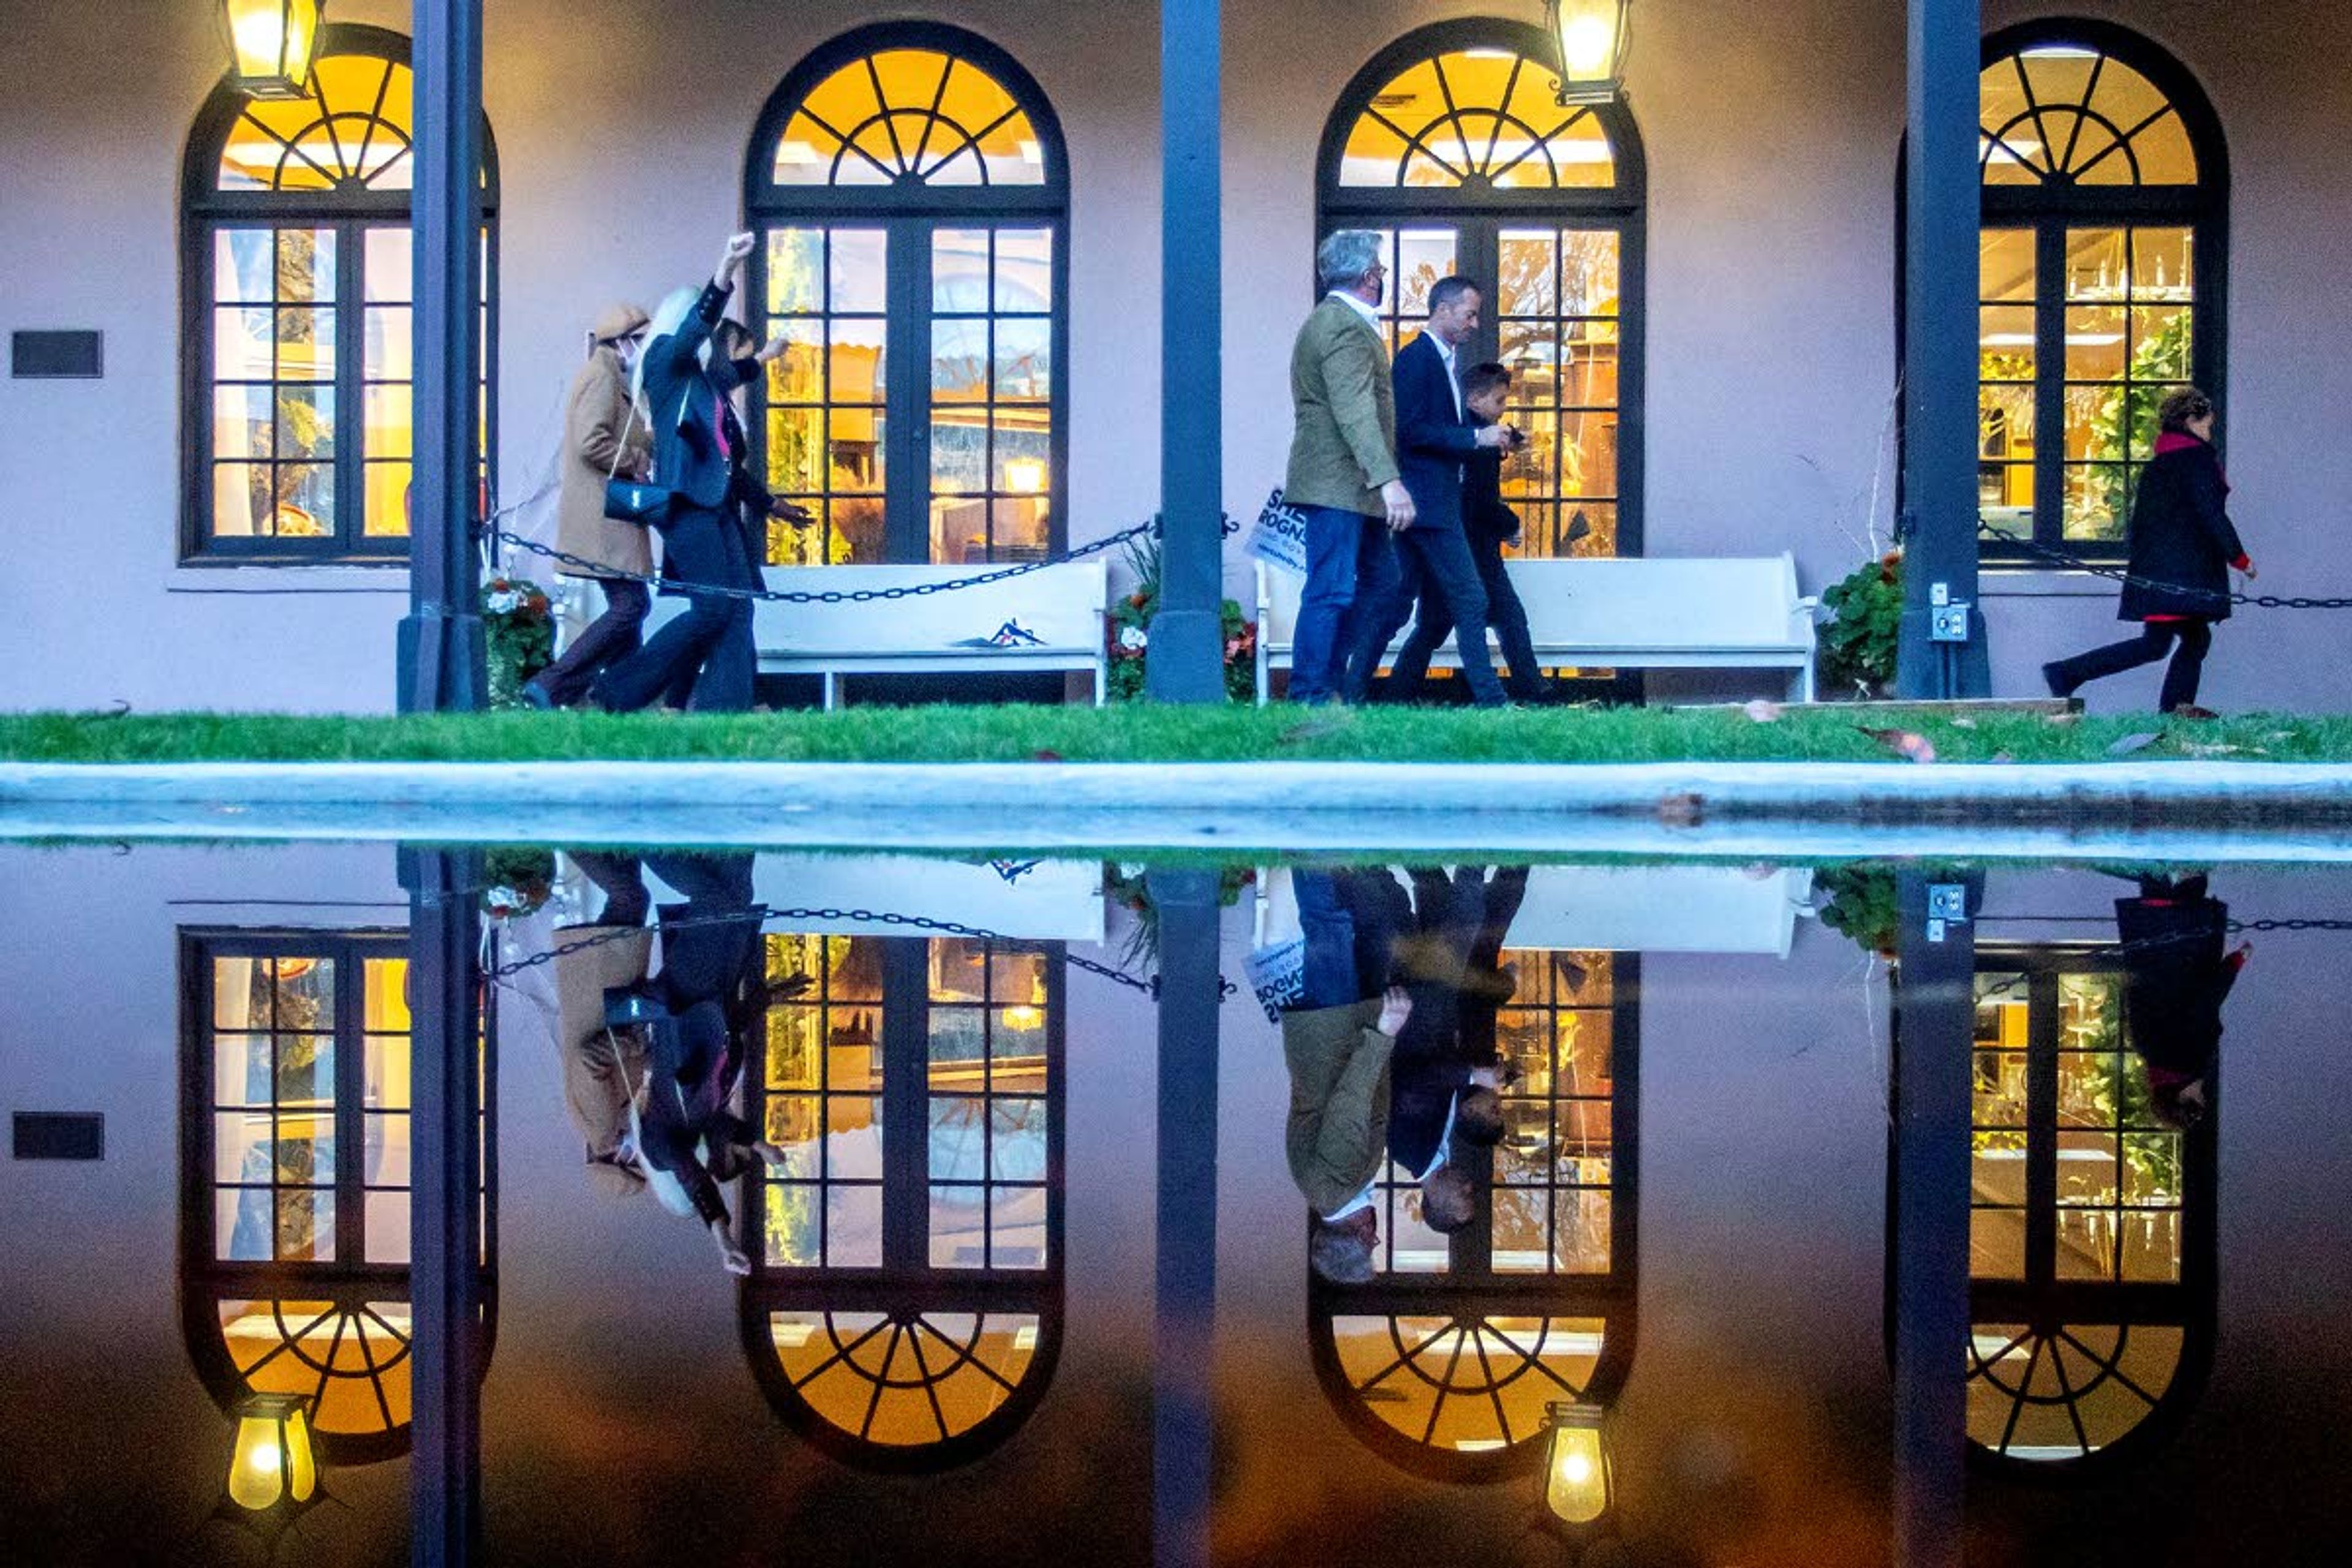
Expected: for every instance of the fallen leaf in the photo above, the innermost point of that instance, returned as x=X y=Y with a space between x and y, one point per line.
x=2197 y=750
x=2138 y=740
x=1964 y=723
x=1682 y=810
x=2068 y=718
x=1909 y=744
x=2002 y=757
x=1763 y=711
x=1312 y=729
x=1042 y=755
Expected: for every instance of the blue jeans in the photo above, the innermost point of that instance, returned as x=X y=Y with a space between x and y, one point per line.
x=1349 y=564
x=705 y=645
x=1504 y=613
x=1354 y=920
x=1440 y=570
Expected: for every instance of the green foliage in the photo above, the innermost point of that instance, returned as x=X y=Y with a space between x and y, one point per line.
x=1861 y=905
x=518 y=629
x=2125 y=429
x=1128 y=629
x=1858 y=640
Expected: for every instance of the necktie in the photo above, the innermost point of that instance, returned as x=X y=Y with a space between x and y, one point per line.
x=718 y=423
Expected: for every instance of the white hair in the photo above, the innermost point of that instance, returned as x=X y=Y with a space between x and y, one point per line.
x=1343 y=259
x=669 y=316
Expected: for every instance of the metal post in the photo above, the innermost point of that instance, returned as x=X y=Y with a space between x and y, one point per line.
x=441 y=662
x=1935 y=1035
x=1185 y=1272
x=446 y=1219
x=1185 y=662
x=1942 y=210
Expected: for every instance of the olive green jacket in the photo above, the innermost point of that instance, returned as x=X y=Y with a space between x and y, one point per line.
x=1343 y=445
x=1338 y=1128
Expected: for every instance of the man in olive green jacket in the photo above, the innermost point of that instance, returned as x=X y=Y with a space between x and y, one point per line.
x=1342 y=476
x=1338 y=1133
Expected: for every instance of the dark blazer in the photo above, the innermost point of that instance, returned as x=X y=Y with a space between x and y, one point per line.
x=1485 y=517
x=2180 y=538
x=2175 y=982
x=1432 y=440
x=685 y=402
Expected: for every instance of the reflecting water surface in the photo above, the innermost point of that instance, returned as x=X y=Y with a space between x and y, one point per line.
x=587 y=1205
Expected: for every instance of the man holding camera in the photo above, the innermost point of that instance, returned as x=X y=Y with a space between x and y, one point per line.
x=1435 y=438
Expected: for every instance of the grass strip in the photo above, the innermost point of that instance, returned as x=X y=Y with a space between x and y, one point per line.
x=1150 y=732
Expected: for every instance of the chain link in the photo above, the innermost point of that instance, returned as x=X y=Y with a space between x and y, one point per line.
x=766 y=914
x=493 y=531
x=2074 y=563
x=2126 y=949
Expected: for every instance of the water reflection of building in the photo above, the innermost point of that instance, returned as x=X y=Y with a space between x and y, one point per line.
x=294 y=1176
x=1446 y=1362
x=905 y=1308
x=2091 y=1235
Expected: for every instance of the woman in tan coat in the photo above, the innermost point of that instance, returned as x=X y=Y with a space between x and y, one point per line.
x=601 y=439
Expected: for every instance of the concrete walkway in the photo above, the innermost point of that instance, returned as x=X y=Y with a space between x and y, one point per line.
x=2180 y=809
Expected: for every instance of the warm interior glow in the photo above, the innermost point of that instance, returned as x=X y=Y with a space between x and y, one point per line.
x=1024 y=475
x=270 y=42
x=301 y=1465
x=1577 y=1484
x=1590 y=34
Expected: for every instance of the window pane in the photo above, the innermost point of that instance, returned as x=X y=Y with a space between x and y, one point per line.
x=388 y=425
x=1025 y=358
x=306 y=423
x=387 y=499
x=390 y=265
x=860 y=272
x=306 y=265
x=244 y=265
x=1024 y=269
x=306 y=345
x=959 y=271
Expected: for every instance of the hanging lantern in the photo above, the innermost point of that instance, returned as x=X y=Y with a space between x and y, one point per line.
x=273 y=1472
x=1592 y=36
x=269 y=44
x=1577 y=1484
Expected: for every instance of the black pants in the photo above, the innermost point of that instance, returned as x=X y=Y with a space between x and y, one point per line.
x=706 y=644
x=1504 y=613
x=613 y=636
x=1439 y=572
x=2156 y=638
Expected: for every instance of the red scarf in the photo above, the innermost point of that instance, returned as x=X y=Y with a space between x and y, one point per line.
x=2181 y=441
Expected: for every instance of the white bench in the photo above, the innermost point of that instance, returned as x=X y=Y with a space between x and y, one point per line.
x=1640 y=613
x=1061 y=604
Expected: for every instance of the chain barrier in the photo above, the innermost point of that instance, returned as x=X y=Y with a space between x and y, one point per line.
x=2126 y=949
x=499 y=535
x=2071 y=562
x=765 y=914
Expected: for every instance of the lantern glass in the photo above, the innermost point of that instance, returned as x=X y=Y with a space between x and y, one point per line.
x=272 y=1462
x=270 y=42
x=1591 y=37
x=1576 y=1468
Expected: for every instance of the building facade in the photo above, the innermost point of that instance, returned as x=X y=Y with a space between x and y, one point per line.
x=1697 y=287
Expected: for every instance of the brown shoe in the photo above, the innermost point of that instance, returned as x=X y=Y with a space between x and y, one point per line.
x=2190 y=711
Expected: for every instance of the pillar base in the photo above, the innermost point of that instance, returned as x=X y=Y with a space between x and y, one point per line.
x=1186 y=660
x=443 y=663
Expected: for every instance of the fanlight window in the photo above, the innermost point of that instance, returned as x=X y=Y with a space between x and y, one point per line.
x=2066 y=1392
x=909 y=116
x=348 y=1362
x=351 y=133
x=2068 y=115
x=904 y=1379
x=1468 y=1384
x=1476 y=119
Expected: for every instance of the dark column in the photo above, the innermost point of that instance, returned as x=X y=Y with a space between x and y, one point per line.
x=441 y=650
x=1186 y=1275
x=1186 y=660
x=1943 y=203
x=445 y=1235
x=1935 y=1035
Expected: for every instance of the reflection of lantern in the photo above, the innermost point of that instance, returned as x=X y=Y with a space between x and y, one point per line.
x=272 y=1469
x=1592 y=36
x=269 y=44
x=1576 y=1465
x=1024 y=475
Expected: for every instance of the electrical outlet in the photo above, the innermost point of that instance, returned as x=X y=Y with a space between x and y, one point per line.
x=1949 y=623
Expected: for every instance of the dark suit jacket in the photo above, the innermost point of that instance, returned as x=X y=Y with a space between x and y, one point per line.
x=2175 y=982
x=1485 y=517
x=685 y=402
x=1432 y=440
x=2181 y=541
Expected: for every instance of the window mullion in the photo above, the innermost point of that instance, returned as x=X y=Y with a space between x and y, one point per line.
x=906 y=460
x=350 y=423
x=2050 y=381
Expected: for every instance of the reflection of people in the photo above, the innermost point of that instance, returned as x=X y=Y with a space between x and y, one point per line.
x=2182 y=548
x=1335 y=1140
x=1488 y=525
x=701 y=463
x=1435 y=438
x=600 y=1066
x=2176 y=976
x=604 y=436
x=1445 y=1098
x=699 y=1014
x=1342 y=475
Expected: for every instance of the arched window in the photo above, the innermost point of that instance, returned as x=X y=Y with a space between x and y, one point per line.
x=911 y=185
x=1450 y=145
x=296 y=351
x=2091 y=1233
x=905 y=1307
x=295 y=1150
x=1447 y=1361
x=2106 y=211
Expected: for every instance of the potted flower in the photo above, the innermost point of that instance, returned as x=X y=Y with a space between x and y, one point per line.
x=518 y=629
x=1128 y=632
x=1865 y=613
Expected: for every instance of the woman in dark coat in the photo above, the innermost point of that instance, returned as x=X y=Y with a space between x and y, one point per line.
x=2182 y=549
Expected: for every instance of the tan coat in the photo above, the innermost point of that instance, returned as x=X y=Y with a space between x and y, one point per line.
x=1337 y=1137
x=596 y=1087
x=1343 y=447
x=596 y=413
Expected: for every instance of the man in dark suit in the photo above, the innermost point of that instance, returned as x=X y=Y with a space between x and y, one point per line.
x=698 y=457
x=1443 y=1097
x=1434 y=438
x=1489 y=525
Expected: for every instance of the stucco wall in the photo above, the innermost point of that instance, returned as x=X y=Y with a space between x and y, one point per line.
x=1770 y=130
